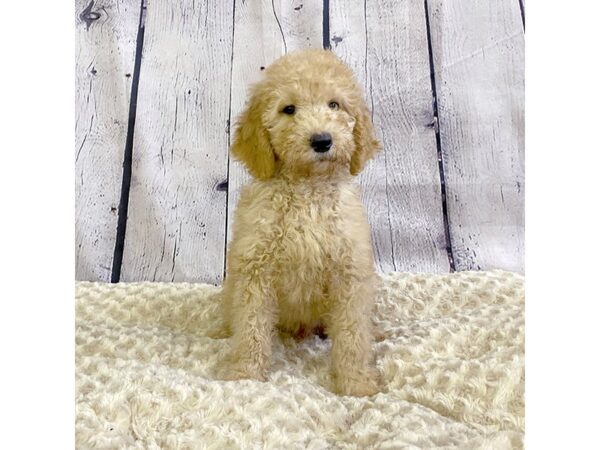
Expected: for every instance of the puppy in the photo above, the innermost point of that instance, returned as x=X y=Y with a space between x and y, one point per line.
x=300 y=257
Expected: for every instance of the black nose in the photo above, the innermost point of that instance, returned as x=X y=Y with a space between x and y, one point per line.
x=320 y=142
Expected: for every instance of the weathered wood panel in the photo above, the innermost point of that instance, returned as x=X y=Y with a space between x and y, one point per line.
x=264 y=31
x=478 y=53
x=106 y=33
x=176 y=223
x=385 y=41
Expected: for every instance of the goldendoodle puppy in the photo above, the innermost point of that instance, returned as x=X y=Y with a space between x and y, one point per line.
x=301 y=257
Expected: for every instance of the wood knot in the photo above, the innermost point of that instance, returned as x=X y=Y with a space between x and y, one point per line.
x=337 y=39
x=88 y=16
x=91 y=16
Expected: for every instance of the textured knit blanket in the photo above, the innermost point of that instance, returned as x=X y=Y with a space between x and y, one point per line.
x=450 y=354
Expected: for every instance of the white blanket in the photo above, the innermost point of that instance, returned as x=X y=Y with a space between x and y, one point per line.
x=451 y=361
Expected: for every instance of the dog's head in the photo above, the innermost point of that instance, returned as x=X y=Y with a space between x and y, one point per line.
x=307 y=116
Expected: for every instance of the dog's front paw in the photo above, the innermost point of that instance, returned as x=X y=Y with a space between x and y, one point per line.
x=357 y=385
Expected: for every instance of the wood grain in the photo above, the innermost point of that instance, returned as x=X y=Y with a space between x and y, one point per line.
x=258 y=41
x=176 y=223
x=106 y=33
x=385 y=42
x=478 y=53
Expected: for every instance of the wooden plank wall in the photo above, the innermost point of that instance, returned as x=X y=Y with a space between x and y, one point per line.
x=176 y=220
x=159 y=85
x=106 y=33
x=478 y=57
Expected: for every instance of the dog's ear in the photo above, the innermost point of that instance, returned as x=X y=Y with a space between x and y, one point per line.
x=364 y=138
x=251 y=141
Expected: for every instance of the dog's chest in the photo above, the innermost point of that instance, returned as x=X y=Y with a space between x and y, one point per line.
x=309 y=235
x=315 y=243
x=310 y=229
x=320 y=233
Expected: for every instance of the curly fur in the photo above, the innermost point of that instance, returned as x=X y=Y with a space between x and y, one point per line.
x=301 y=257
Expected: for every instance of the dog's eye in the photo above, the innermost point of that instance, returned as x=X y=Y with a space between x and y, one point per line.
x=289 y=109
x=334 y=105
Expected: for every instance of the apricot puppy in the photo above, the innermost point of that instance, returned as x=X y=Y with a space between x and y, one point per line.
x=300 y=256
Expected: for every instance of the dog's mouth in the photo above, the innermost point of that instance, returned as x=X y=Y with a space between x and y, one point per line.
x=324 y=157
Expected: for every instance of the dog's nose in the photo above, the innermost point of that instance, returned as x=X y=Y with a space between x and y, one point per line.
x=320 y=142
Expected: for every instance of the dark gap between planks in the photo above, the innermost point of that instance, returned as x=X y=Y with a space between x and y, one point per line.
x=439 y=143
x=326 y=40
x=522 y=7
x=229 y=142
x=128 y=155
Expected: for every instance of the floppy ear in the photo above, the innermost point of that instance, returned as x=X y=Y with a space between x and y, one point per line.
x=364 y=139
x=251 y=142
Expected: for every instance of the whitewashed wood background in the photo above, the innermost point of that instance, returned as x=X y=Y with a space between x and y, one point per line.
x=158 y=83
